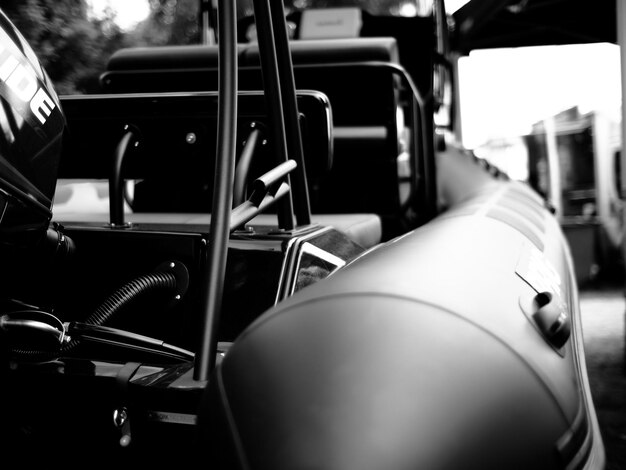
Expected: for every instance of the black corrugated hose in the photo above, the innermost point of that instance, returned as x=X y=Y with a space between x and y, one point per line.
x=140 y=285
x=123 y=296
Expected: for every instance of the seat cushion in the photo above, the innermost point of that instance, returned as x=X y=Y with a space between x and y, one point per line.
x=86 y=201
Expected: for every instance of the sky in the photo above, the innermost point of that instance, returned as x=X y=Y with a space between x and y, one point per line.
x=129 y=12
x=504 y=91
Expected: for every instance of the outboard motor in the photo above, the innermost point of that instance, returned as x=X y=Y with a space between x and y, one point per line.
x=32 y=126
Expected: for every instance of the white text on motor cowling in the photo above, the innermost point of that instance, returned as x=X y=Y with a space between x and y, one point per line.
x=22 y=81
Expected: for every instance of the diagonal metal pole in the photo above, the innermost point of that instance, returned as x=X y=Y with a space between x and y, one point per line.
x=274 y=97
x=291 y=115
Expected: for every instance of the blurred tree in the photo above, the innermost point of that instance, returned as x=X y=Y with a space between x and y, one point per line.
x=169 y=22
x=72 y=47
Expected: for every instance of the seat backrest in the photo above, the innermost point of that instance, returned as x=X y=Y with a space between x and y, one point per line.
x=174 y=160
x=334 y=67
x=138 y=61
x=357 y=76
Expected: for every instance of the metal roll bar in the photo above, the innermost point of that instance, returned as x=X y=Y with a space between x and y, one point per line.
x=284 y=121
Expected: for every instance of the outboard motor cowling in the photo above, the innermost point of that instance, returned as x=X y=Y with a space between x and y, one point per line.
x=32 y=129
x=32 y=125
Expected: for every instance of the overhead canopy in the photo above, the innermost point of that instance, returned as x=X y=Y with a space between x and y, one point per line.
x=484 y=24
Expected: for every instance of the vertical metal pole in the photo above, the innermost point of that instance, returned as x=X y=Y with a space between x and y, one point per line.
x=206 y=30
x=215 y=260
x=456 y=100
x=116 y=181
x=554 y=167
x=621 y=41
x=243 y=166
x=429 y=162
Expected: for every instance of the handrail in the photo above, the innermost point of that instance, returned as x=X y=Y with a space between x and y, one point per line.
x=267 y=189
x=215 y=259
x=243 y=166
x=116 y=181
x=422 y=131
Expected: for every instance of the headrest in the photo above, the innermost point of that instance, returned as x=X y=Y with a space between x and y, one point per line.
x=328 y=51
x=163 y=57
x=330 y=23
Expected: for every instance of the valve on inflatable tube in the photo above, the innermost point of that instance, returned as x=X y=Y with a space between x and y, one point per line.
x=552 y=319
